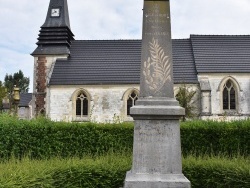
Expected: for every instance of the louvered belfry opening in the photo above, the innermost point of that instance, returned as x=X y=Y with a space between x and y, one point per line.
x=55 y=36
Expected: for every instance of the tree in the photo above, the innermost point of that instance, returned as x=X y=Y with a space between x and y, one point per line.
x=18 y=80
x=2 y=93
x=185 y=96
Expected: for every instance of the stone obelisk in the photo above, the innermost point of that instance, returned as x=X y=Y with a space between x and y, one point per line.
x=157 y=161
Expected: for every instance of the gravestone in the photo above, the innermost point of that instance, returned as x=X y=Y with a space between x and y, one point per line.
x=157 y=161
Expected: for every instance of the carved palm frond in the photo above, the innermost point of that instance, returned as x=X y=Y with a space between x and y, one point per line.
x=157 y=69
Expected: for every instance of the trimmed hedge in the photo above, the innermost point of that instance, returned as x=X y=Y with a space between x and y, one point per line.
x=217 y=172
x=42 y=138
x=109 y=171
x=216 y=138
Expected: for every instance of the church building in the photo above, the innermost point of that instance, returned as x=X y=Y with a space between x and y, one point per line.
x=98 y=80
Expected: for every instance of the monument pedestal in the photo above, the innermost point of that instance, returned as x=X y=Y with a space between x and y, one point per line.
x=156 y=181
x=157 y=146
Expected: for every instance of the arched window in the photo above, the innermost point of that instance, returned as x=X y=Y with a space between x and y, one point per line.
x=132 y=97
x=229 y=96
x=81 y=101
x=82 y=105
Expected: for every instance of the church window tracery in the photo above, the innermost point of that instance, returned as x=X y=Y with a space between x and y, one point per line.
x=132 y=97
x=229 y=96
x=82 y=105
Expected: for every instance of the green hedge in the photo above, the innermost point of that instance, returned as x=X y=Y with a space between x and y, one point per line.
x=217 y=172
x=216 y=138
x=42 y=138
x=109 y=171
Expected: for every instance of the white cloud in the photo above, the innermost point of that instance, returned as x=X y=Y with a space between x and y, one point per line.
x=209 y=17
x=106 y=19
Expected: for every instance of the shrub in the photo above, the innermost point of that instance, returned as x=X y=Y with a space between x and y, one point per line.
x=109 y=171
x=186 y=98
x=102 y=172
x=217 y=172
x=42 y=138
x=215 y=138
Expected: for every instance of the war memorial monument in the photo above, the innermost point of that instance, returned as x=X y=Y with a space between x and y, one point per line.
x=157 y=147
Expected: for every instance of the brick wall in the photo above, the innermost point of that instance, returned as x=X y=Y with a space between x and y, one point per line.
x=40 y=85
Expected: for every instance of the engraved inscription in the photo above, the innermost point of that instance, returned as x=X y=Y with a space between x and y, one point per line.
x=156 y=19
x=151 y=144
x=157 y=69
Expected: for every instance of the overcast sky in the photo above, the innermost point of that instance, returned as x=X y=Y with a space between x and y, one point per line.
x=20 y=21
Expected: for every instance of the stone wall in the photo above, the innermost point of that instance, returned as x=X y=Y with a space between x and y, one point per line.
x=107 y=103
x=216 y=81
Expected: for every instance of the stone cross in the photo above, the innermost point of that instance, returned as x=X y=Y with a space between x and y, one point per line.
x=157 y=159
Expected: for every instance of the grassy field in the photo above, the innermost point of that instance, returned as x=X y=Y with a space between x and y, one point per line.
x=109 y=171
x=102 y=171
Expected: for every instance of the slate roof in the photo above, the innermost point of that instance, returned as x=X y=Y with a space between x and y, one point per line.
x=116 y=62
x=63 y=19
x=183 y=62
x=221 y=53
x=25 y=99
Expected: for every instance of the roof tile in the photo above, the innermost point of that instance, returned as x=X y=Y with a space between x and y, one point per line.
x=116 y=62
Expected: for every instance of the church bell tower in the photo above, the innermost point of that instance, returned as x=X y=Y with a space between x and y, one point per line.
x=54 y=42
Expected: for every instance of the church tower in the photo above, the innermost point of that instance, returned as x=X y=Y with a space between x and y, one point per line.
x=54 y=42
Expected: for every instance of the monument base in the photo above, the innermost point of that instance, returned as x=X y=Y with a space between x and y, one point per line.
x=156 y=181
x=157 y=161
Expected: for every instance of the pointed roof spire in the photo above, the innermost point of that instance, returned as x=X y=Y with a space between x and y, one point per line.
x=55 y=35
x=57 y=19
